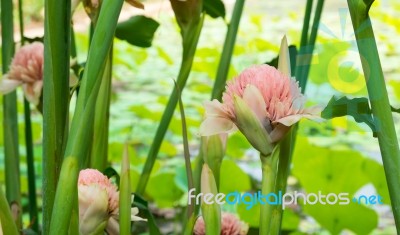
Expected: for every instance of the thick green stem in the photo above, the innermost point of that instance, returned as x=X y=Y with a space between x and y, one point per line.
x=78 y=144
x=10 y=121
x=269 y=166
x=55 y=98
x=377 y=92
x=189 y=49
x=99 y=152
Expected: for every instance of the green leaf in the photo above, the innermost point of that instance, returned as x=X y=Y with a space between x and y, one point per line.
x=251 y=215
x=214 y=8
x=290 y=220
x=230 y=170
x=164 y=196
x=358 y=108
x=358 y=218
x=334 y=171
x=137 y=30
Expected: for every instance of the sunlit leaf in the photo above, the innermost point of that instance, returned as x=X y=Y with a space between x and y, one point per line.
x=162 y=195
x=229 y=171
x=332 y=171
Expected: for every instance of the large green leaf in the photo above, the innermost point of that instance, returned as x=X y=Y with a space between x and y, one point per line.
x=138 y=30
x=233 y=178
x=332 y=171
x=214 y=8
x=164 y=196
x=358 y=108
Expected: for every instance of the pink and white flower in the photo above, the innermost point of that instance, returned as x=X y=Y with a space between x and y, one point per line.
x=99 y=203
x=26 y=69
x=261 y=96
x=230 y=225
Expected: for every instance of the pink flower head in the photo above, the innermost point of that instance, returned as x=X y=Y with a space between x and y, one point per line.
x=230 y=225
x=99 y=203
x=89 y=177
x=26 y=69
x=263 y=93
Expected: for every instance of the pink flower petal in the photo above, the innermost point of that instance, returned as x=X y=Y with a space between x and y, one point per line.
x=8 y=85
x=216 y=125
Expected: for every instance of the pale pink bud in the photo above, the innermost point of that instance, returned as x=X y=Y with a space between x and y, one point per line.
x=99 y=203
x=230 y=225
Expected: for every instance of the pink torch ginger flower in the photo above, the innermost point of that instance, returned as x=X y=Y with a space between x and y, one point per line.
x=262 y=102
x=99 y=203
x=26 y=69
x=230 y=225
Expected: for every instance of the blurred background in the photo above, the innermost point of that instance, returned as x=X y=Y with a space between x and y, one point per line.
x=338 y=155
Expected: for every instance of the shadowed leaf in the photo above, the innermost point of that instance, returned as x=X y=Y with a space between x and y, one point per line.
x=358 y=108
x=137 y=30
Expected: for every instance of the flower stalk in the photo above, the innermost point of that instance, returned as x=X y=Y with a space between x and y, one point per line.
x=379 y=100
x=269 y=166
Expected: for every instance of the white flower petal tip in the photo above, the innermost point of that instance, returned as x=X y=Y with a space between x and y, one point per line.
x=216 y=125
x=214 y=108
x=8 y=85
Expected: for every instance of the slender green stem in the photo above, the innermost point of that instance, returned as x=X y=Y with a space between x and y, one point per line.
x=189 y=49
x=269 y=166
x=378 y=95
x=21 y=21
x=227 y=51
x=188 y=165
x=78 y=143
x=10 y=121
x=306 y=51
x=73 y=44
x=7 y=224
x=306 y=24
x=30 y=161
x=125 y=195
x=55 y=98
